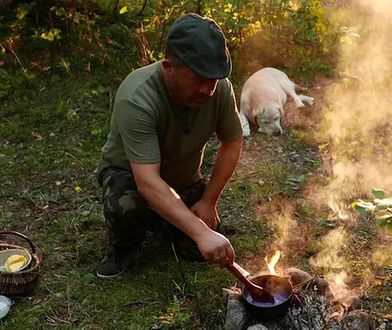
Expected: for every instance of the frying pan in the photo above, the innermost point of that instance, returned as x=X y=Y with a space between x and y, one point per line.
x=257 y=292
x=279 y=287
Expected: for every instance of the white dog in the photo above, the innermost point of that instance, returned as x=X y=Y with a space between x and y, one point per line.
x=262 y=99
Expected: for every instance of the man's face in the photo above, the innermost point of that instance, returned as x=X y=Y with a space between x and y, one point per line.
x=186 y=87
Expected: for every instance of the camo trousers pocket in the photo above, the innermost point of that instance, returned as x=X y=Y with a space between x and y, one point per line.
x=127 y=214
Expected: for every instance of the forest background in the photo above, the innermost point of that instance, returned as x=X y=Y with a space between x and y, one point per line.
x=61 y=63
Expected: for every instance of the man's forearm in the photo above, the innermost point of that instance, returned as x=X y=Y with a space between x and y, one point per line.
x=225 y=164
x=166 y=202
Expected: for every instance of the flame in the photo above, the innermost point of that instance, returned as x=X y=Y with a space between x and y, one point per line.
x=273 y=261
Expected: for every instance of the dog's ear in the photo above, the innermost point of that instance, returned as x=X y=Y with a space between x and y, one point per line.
x=260 y=117
x=255 y=118
x=280 y=111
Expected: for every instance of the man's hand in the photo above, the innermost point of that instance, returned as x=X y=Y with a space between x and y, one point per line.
x=206 y=212
x=216 y=248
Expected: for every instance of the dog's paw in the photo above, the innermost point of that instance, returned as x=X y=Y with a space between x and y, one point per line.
x=310 y=101
x=245 y=125
x=307 y=99
x=299 y=104
x=245 y=129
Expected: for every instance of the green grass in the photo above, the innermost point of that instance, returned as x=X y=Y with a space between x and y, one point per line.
x=53 y=135
x=52 y=131
x=52 y=140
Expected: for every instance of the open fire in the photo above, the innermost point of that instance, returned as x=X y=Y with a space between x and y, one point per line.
x=312 y=307
x=272 y=262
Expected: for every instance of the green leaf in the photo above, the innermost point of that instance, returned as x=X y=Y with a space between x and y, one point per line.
x=74 y=273
x=363 y=207
x=382 y=204
x=385 y=221
x=296 y=180
x=47 y=36
x=21 y=12
x=378 y=193
x=51 y=35
x=384 y=217
x=123 y=10
x=88 y=278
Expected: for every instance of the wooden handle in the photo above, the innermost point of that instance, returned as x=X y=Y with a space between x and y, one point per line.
x=244 y=272
x=240 y=273
x=256 y=291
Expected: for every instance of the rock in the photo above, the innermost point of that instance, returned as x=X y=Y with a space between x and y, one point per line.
x=357 y=320
x=232 y=293
x=322 y=287
x=297 y=276
x=236 y=313
x=355 y=304
x=383 y=326
x=317 y=284
x=333 y=325
x=257 y=327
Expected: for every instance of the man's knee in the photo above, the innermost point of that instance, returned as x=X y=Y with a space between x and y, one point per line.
x=121 y=201
x=128 y=206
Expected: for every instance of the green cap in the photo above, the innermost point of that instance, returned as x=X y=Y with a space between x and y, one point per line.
x=200 y=43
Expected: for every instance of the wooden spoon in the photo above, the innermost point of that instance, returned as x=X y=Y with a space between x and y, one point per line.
x=257 y=292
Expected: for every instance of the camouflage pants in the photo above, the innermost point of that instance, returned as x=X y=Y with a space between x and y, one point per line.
x=129 y=217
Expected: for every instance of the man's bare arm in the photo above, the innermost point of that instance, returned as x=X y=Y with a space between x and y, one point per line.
x=225 y=164
x=227 y=159
x=167 y=203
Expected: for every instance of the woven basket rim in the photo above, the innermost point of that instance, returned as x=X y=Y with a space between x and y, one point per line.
x=35 y=259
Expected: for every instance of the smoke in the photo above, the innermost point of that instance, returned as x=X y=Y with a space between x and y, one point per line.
x=357 y=125
x=336 y=269
x=289 y=234
x=358 y=114
x=329 y=257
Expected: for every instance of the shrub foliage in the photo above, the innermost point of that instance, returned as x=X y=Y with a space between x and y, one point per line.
x=48 y=35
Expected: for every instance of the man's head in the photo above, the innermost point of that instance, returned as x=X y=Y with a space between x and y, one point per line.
x=196 y=58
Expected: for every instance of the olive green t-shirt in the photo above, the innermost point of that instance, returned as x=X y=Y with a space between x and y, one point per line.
x=147 y=128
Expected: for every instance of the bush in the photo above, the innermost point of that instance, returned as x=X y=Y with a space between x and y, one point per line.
x=380 y=208
x=81 y=35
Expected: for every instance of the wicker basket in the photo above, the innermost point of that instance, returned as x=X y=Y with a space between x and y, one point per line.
x=23 y=282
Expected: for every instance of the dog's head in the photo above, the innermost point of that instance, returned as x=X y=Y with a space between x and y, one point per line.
x=268 y=120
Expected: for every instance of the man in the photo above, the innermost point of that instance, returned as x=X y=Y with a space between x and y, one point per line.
x=164 y=115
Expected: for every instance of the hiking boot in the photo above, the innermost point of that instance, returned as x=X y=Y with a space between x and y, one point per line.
x=116 y=262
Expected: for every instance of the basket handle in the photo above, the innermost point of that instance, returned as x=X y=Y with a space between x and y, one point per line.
x=11 y=232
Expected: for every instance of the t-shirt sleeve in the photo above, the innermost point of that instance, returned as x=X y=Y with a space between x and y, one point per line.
x=138 y=129
x=229 y=126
